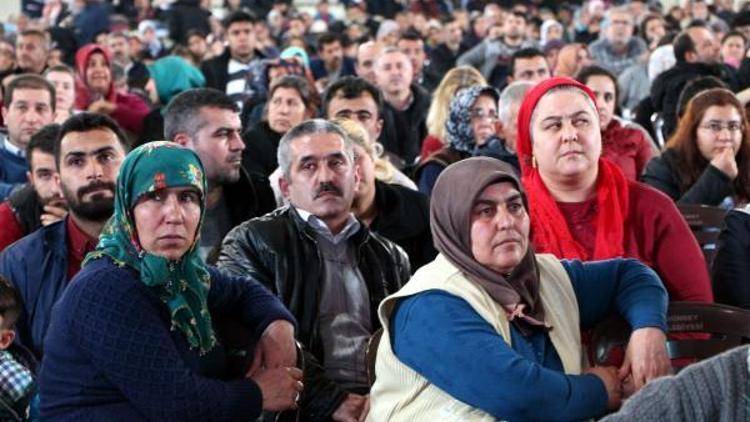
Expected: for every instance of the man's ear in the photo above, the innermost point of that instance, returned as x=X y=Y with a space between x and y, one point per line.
x=5 y=113
x=6 y=338
x=284 y=186
x=183 y=139
x=29 y=178
x=690 y=57
x=378 y=129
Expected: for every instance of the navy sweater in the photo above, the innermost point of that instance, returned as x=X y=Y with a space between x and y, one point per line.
x=110 y=353
x=524 y=381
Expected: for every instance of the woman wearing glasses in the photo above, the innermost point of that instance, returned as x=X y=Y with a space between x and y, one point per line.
x=471 y=130
x=707 y=159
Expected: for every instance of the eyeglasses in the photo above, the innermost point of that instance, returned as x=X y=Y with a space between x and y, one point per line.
x=482 y=114
x=717 y=127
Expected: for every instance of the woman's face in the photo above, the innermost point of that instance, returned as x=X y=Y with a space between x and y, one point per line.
x=483 y=118
x=64 y=89
x=285 y=110
x=98 y=74
x=720 y=128
x=554 y=32
x=167 y=221
x=499 y=227
x=583 y=58
x=733 y=48
x=604 y=90
x=566 y=137
x=365 y=167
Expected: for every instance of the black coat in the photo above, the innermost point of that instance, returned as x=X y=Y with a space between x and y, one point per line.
x=732 y=262
x=261 y=145
x=185 y=15
x=215 y=71
x=404 y=130
x=280 y=251
x=404 y=218
x=710 y=189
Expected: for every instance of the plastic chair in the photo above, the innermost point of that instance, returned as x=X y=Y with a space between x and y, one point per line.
x=697 y=331
x=705 y=223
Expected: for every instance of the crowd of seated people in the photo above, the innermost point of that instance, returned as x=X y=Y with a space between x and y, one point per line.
x=208 y=209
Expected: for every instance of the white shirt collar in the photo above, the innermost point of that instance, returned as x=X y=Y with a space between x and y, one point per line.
x=351 y=227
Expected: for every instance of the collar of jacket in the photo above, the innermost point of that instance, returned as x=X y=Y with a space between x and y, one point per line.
x=359 y=238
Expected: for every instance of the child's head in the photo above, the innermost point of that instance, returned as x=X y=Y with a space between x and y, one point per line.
x=10 y=308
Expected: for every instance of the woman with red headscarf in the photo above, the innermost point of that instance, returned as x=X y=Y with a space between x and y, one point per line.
x=95 y=90
x=583 y=207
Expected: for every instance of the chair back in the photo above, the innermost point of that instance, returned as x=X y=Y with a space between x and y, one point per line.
x=371 y=354
x=705 y=222
x=697 y=330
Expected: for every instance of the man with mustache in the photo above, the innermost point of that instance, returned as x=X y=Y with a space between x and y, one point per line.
x=331 y=63
x=88 y=153
x=326 y=266
x=32 y=50
x=39 y=202
x=208 y=122
x=28 y=104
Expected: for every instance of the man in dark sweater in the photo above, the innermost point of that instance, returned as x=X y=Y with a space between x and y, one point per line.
x=208 y=122
x=405 y=110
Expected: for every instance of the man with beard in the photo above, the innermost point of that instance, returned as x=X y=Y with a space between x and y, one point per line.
x=28 y=104
x=88 y=155
x=331 y=63
x=326 y=266
x=208 y=122
x=40 y=201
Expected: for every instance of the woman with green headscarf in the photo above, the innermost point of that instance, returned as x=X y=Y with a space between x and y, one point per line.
x=132 y=338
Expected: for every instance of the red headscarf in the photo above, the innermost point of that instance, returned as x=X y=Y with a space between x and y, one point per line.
x=84 y=98
x=550 y=230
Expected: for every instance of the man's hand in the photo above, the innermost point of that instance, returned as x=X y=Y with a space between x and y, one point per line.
x=276 y=348
x=608 y=375
x=102 y=106
x=281 y=387
x=52 y=214
x=351 y=409
x=646 y=357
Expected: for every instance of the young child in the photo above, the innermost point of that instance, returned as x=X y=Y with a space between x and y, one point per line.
x=17 y=365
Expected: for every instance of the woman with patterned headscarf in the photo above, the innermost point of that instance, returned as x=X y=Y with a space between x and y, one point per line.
x=471 y=129
x=490 y=330
x=133 y=336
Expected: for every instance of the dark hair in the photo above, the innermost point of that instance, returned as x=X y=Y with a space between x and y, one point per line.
x=594 y=70
x=691 y=163
x=28 y=81
x=60 y=68
x=518 y=14
x=735 y=33
x=10 y=303
x=36 y=33
x=329 y=38
x=44 y=141
x=86 y=122
x=682 y=45
x=237 y=17
x=695 y=87
x=182 y=114
x=194 y=32
x=524 y=53
x=308 y=95
x=644 y=24
x=350 y=87
x=411 y=34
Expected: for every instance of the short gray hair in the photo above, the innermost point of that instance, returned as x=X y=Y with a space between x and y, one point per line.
x=511 y=97
x=307 y=128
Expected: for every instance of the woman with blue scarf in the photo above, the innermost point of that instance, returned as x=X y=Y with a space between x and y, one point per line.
x=132 y=338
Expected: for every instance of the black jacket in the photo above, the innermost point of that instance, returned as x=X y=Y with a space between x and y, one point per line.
x=261 y=145
x=666 y=89
x=403 y=131
x=280 y=251
x=732 y=263
x=710 y=189
x=215 y=71
x=249 y=197
x=185 y=15
x=404 y=218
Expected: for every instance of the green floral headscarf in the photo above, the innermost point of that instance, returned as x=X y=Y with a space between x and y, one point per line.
x=183 y=284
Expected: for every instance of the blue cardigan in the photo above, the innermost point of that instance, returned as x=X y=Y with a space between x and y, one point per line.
x=110 y=353
x=524 y=381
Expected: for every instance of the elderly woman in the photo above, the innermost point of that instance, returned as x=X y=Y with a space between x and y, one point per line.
x=491 y=331
x=96 y=93
x=707 y=160
x=133 y=338
x=583 y=206
x=290 y=101
x=471 y=128
x=623 y=144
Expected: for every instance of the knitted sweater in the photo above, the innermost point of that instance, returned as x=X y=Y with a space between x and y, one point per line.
x=715 y=389
x=110 y=353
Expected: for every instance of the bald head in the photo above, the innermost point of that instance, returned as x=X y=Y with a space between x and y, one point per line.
x=367 y=53
x=393 y=72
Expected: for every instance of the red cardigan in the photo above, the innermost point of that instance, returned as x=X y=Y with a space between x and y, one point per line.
x=657 y=235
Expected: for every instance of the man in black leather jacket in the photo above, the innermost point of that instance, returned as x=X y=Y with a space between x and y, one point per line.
x=327 y=267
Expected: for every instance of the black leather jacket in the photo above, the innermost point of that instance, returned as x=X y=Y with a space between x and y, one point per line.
x=280 y=251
